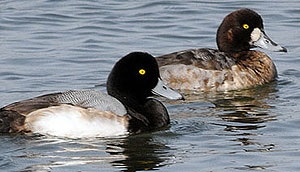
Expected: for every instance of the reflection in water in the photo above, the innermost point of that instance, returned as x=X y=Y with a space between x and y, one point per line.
x=242 y=116
x=141 y=152
x=245 y=109
x=240 y=110
x=254 y=146
x=242 y=113
x=132 y=153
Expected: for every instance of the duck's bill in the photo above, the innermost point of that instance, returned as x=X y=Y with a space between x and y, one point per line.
x=260 y=39
x=163 y=90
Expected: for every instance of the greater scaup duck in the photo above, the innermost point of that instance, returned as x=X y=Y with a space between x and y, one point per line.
x=234 y=66
x=127 y=108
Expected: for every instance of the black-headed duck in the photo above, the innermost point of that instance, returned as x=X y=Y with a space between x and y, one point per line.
x=233 y=66
x=127 y=108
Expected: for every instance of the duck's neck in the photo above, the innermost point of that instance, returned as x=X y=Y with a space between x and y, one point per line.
x=228 y=44
x=152 y=116
x=127 y=99
x=146 y=114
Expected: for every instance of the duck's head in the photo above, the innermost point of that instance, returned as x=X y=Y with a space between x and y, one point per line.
x=135 y=77
x=243 y=29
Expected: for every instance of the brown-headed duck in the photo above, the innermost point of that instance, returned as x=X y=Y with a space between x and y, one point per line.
x=233 y=66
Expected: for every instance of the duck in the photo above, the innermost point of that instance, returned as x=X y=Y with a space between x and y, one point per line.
x=128 y=107
x=233 y=66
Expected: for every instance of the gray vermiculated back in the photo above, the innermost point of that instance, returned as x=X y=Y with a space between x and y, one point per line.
x=92 y=99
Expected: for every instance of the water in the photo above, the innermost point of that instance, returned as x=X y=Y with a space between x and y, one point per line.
x=49 y=46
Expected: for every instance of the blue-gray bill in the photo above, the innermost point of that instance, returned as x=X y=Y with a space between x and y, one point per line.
x=161 y=89
x=260 y=39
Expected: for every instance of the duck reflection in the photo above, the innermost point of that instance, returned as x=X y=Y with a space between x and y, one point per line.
x=241 y=110
x=246 y=109
x=140 y=152
x=131 y=153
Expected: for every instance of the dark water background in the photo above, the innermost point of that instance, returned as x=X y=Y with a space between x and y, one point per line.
x=50 y=45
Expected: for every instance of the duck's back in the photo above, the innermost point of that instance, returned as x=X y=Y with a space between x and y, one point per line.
x=92 y=99
x=205 y=58
x=82 y=98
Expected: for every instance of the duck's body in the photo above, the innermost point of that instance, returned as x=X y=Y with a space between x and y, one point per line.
x=233 y=66
x=211 y=70
x=66 y=113
x=90 y=113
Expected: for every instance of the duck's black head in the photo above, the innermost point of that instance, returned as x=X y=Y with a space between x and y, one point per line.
x=135 y=77
x=242 y=30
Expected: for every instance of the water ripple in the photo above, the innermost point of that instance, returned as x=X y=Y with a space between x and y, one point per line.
x=50 y=45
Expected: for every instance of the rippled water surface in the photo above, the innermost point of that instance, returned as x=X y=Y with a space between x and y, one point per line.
x=49 y=46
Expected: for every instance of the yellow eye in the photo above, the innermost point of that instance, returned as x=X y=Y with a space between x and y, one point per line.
x=142 y=71
x=245 y=26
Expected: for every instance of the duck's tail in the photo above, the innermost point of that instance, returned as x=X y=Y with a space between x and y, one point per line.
x=11 y=121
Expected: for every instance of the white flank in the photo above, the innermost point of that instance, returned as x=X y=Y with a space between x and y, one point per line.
x=75 y=122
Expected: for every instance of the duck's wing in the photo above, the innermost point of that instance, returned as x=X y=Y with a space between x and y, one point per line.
x=92 y=99
x=82 y=98
x=25 y=107
x=205 y=58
